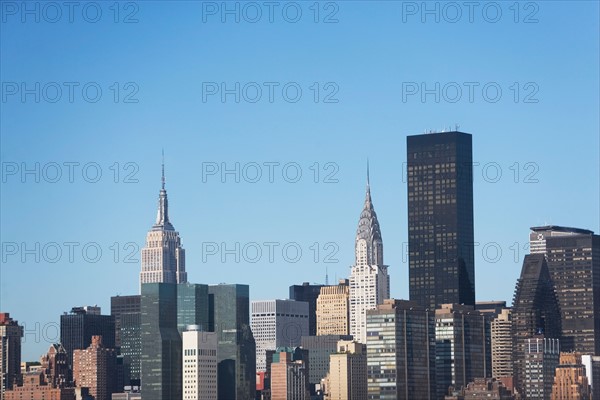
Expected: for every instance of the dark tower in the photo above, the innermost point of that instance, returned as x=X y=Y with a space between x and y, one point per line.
x=440 y=219
x=535 y=311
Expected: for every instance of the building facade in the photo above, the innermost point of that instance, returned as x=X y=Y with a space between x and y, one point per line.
x=570 y=379
x=440 y=219
x=229 y=317
x=502 y=346
x=163 y=257
x=535 y=311
x=289 y=375
x=120 y=305
x=161 y=343
x=199 y=364
x=95 y=368
x=460 y=354
x=78 y=327
x=347 y=376
x=401 y=351
x=10 y=352
x=573 y=257
x=192 y=305
x=541 y=359
x=333 y=309
x=369 y=279
x=319 y=348
x=277 y=323
x=308 y=293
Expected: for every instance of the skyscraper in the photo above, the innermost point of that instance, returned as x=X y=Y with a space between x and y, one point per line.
x=161 y=343
x=289 y=374
x=10 y=352
x=541 y=359
x=308 y=293
x=229 y=317
x=333 y=309
x=347 y=377
x=163 y=258
x=535 y=311
x=570 y=380
x=120 y=305
x=131 y=347
x=277 y=323
x=502 y=347
x=401 y=351
x=78 y=327
x=199 y=364
x=319 y=348
x=460 y=339
x=95 y=368
x=440 y=219
x=573 y=257
x=369 y=280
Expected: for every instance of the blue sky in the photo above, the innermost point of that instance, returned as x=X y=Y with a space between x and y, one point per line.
x=368 y=61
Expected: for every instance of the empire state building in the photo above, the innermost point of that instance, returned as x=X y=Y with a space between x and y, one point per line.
x=163 y=258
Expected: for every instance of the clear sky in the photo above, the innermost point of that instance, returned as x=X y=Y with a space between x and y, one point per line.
x=375 y=75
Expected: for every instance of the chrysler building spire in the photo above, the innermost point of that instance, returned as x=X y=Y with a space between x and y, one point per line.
x=369 y=280
x=368 y=246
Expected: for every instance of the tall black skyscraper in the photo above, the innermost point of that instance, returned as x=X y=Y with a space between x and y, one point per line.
x=161 y=357
x=120 y=305
x=78 y=327
x=573 y=257
x=535 y=311
x=127 y=313
x=229 y=317
x=440 y=219
x=308 y=293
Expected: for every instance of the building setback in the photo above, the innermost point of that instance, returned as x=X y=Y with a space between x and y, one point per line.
x=440 y=219
x=95 y=368
x=229 y=317
x=535 y=310
x=277 y=323
x=161 y=344
x=401 y=351
x=573 y=257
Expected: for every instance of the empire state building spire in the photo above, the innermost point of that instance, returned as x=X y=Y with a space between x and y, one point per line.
x=162 y=216
x=163 y=257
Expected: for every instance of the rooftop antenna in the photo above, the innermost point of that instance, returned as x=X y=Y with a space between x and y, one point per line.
x=163 y=169
x=326 y=276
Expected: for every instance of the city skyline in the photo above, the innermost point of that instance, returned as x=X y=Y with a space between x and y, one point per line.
x=547 y=151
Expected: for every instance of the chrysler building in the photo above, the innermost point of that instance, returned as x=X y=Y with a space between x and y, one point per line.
x=163 y=258
x=369 y=280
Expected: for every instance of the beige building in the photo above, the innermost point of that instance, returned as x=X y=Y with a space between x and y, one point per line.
x=570 y=380
x=333 y=309
x=347 y=377
x=95 y=368
x=289 y=375
x=502 y=345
